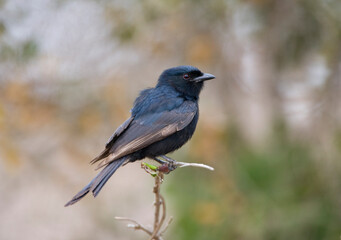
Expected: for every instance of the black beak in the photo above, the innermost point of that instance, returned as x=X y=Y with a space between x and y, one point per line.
x=204 y=77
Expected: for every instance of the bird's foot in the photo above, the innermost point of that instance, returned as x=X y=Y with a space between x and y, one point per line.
x=167 y=168
x=153 y=170
x=167 y=165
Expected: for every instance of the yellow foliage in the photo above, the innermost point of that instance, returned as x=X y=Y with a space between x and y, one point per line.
x=11 y=156
x=22 y=109
x=207 y=213
x=200 y=49
x=89 y=120
x=207 y=144
x=2 y=117
x=115 y=94
x=16 y=92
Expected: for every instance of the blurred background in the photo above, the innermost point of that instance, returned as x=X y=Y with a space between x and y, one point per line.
x=270 y=123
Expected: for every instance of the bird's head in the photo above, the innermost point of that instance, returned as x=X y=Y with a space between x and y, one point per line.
x=187 y=80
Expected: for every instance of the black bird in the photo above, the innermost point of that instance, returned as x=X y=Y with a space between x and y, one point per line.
x=162 y=119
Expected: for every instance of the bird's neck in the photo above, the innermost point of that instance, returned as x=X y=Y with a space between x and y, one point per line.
x=187 y=97
x=191 y=91
x=187 y=94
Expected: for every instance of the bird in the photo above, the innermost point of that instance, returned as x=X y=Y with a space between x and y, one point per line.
x=162 y=120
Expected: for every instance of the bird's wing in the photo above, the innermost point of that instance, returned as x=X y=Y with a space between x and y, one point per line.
x=149 y=129
x=112 y=139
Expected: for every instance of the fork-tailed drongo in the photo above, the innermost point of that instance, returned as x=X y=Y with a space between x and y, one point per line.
x=162 y=119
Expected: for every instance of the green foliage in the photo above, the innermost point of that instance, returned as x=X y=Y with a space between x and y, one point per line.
x=275 y=193
x=2 y=28
x=28 y=50
x=125 y=32
x=22 y=53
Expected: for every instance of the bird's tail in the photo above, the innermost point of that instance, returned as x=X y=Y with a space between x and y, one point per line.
x=98 y=182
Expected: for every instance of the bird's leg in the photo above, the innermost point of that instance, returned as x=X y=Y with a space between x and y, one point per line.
x=167 y=165
x=171 y=163
x=159 y=160
x=168 y=159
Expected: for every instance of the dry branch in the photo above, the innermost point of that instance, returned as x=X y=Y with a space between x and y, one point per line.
x=157 y=172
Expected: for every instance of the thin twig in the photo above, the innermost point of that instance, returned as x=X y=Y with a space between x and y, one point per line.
x=137 y=225
x=163 y=211
x=163 y=217
x=167 y=225
x=172 y=164
x=158 y=201
x=184 y=164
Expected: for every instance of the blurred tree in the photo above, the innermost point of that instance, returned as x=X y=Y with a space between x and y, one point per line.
x=270 y=123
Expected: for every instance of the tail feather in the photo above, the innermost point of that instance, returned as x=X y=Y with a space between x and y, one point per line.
x=105 y=174
x=98 y=182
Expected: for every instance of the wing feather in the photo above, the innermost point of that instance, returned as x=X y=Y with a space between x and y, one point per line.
x=106 y=152
x=149 y=129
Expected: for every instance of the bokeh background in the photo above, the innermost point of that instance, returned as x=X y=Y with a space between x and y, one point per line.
x=270 y=122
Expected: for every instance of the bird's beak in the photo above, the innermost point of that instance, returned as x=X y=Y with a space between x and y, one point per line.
x=204 y=77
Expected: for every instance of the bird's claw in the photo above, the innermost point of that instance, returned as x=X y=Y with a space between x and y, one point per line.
x=167 y=167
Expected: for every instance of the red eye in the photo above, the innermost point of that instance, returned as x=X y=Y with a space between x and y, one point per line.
x=186 y=76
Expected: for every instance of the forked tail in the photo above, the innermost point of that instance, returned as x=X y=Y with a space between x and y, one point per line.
x=98 y=182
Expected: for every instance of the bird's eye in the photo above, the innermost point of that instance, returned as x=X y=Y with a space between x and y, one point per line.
x=186 y=76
